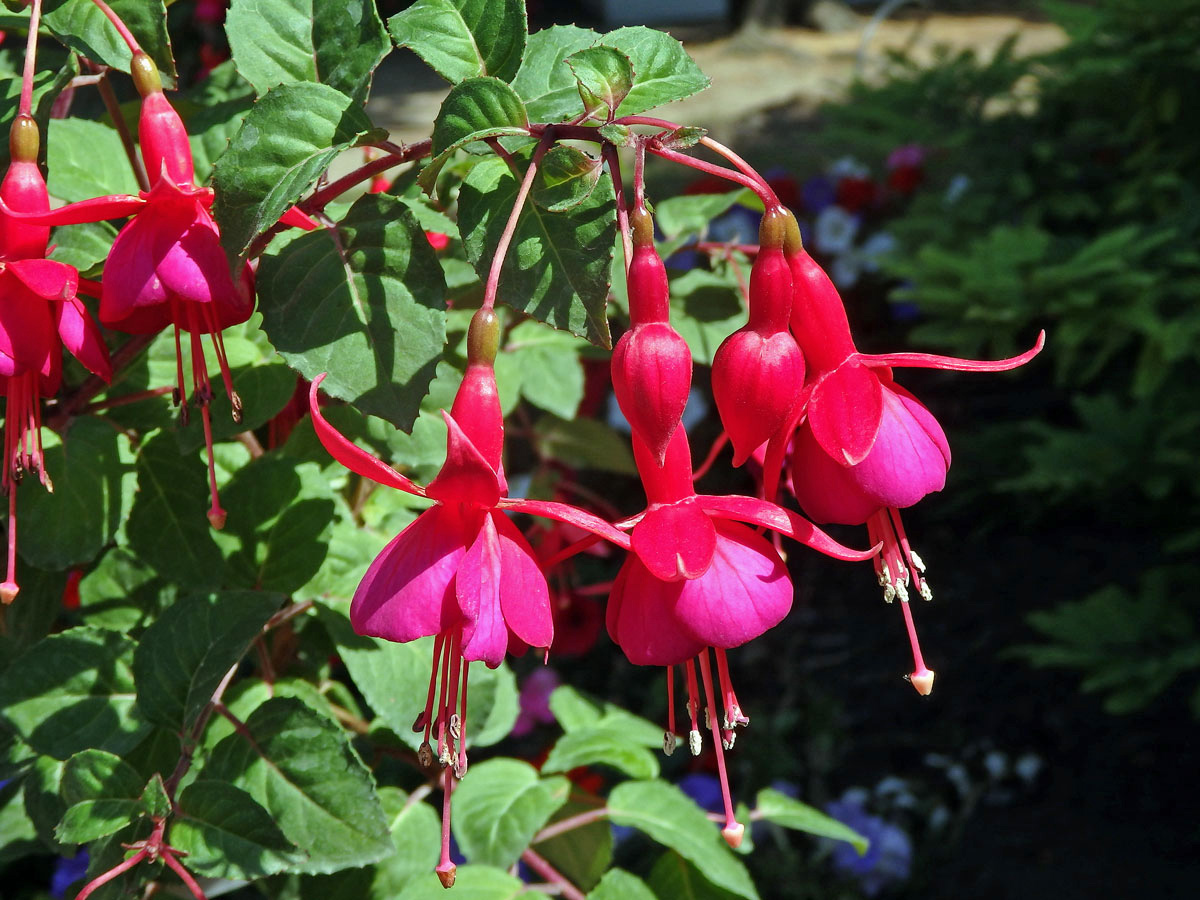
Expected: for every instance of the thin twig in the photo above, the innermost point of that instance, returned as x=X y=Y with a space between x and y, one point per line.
x=114 y=113
x=540 y=865
x=570 y=824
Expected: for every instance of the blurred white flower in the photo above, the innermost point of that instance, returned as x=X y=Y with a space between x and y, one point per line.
x=957 y=187
x=848 y=167
x=880 y=244
x=835 y=230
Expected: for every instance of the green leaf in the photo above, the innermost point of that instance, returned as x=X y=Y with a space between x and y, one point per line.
x=674 y=877
x=617 y=884
x=184 y=655
x=666 y=814
x=417 y=837
x=167 y=527
x=558 y=264
x=73 y=691
x=474 y=110
x=584 y=444
x=285 y=41
x=470 y=883
x=155 y=799
x=706 y=307
x=683 y=137
x=500 y=806
x=601 y=746
x=93 y=476
x=83 y=246
x=545 y=82
x=280 y=514
x=43 y=802
x=286 y=141
x=545 y=365
x=300 y=766
x=226 y=834
x=18 y=836
x=663 y=71
x=690 y=214
x=461 y=39
x=583 y=853
x=605 y=77
x=565 y=179
x=575 y=712
x=83 y=27
x=394 y=678
x=783 y=810
x=103 y=795
x=86 y=159
x=363 y=302
x=120 y=591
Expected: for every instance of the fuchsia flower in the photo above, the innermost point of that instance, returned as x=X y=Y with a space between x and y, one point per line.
x=39 y=315
x=696 y=579
x=166 y=266
x=867 y=448
x=461 y=572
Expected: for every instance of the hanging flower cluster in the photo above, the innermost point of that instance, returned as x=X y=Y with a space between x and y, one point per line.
x=702 y=574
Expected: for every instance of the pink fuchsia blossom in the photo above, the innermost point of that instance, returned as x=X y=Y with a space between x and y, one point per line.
x=166 y=266
x=39 y=315
x=462 y=572
x=867 y=448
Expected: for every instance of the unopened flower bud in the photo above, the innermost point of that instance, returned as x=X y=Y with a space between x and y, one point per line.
x=24 y=139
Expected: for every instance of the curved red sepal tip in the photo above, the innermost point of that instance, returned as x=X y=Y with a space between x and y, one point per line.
x=753 y=511
x=930 y=361
x=352 y=456
x=94 y=209
x=563 y=512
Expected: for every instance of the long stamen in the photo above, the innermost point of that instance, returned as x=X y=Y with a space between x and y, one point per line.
x=460 y=765
x=441 y=703
x=218 y=342
x=734 y=717
x=425 y=719
x=896 y=567
x=733 y=830
x=451 y=708
x=922 y=676
x=669 y=734
x=693 y=708
x=916 y=567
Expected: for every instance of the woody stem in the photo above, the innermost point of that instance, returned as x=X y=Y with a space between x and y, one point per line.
x=510 y=227
x=26 y=104
x=126 y=34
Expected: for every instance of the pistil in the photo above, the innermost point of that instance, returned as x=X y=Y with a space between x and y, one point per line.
x=898 y=566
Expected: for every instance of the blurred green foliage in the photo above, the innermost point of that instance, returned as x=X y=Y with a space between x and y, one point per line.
x=1064 y=193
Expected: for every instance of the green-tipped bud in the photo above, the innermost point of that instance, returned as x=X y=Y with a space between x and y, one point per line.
x=792 y=244
x=483 y=337
x=772 y=233
x=24 y=139
x=641 y=226
x=145 y=74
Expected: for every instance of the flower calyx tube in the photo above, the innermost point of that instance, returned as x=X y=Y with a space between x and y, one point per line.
x=651 y=364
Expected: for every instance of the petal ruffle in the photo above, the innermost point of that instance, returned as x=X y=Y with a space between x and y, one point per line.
x=408 y=592
x=477 y=588
x=351 y=455
x=524 y=595
x=641 y=618
x=759 y=512
x=745 y=591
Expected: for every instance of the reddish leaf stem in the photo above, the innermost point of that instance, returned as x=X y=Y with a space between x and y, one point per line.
x=570 y=824
x=113 y=107
x=765 y=193
x=614 y=169
x=115 y=872
x=551 y=874
x=184 y=875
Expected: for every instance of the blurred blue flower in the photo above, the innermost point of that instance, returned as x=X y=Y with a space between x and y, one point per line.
x=67 y=871
x=817 y=193
x=887 y=861
x=705 y=789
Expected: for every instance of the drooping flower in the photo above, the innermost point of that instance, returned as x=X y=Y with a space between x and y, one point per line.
x=166 y=267
x=39 y=315
x=462 y=572
x=867 y=448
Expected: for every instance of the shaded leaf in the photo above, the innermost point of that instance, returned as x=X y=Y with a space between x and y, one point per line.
x=500 y=806
x=617 y=884
x=102 y=793
x=566 y=177
x=226 y=834
x=783 y=810
x=584 y=444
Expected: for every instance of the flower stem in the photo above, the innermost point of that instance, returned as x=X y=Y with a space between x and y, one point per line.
x=25 y=108
x=184 y=875
x=540 y=865
x=765 y=193
x=510 y=227
x=126 y=34
x=614 y=169
x=116 y=871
